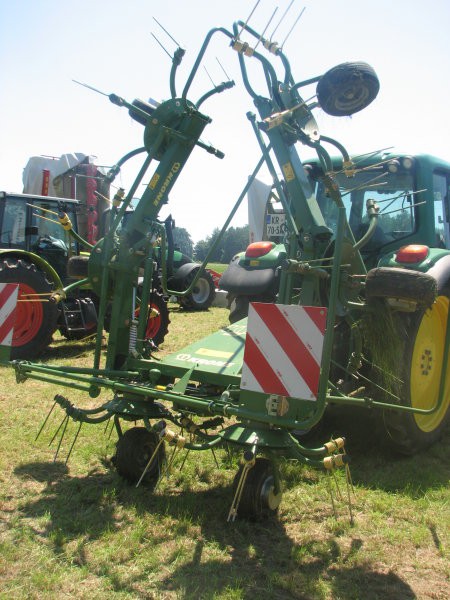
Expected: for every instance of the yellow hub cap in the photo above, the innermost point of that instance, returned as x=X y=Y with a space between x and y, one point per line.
x=426 y=366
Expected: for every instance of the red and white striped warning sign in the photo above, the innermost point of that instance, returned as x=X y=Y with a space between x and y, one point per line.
x=8 y=303
x=283 y=350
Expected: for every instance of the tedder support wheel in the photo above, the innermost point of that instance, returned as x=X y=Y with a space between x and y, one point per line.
x=133 y=451
x=35 y=321
x=258 y=500
x=424 y=333
x=347 y=88
x=202 y=295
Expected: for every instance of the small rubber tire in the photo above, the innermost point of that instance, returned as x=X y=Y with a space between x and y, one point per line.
x=347 y=88
x=258 y=501
x=35 y=322
x=403 y=284
x=133 y=451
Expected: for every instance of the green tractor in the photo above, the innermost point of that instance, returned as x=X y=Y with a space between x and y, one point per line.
x=340 y=329
x=412 y=195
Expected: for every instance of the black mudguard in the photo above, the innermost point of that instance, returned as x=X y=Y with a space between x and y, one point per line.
x=249 y=282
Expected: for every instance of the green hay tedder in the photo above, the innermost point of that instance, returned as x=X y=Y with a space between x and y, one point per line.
x=333 y=333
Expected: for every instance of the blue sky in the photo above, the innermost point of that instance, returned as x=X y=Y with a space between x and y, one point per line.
x=45 y=44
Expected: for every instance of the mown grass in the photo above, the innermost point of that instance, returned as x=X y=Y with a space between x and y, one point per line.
x=79 y=531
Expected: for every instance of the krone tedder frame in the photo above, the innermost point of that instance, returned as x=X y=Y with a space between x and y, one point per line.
x=258 y=382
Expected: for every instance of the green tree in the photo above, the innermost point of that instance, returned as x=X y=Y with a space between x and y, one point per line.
x=183 y=241
x=234 y=240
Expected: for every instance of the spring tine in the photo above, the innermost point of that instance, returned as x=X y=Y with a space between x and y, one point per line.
x=166 y=51
x=73 y=443
x=165 y=31
x=215 y=457
x=338 y=489
x=261 y=37
x=111 y=430
x=147 y=466
x=248 y=19
x=61 y=438
x=282 y=19
x=330 y=490
x=170 y=463
x=349 y=478
x=221 y=66
x=238 y=495
x=184 y=459
x=57 y=431
x=349 y=497
x=45 y=421
x=292 y=28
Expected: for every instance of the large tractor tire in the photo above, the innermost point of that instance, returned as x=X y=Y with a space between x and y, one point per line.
x=35 y=321
x=422 y=364
x=203 y=294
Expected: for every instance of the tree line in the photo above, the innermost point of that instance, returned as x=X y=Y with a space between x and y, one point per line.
x=234 y=240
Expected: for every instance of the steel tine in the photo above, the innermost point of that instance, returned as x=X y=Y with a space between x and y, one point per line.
x=57 y=431
x=61 y=438
x=107 y=425
x=73 y=443
x=45 y=421
x=215 y=457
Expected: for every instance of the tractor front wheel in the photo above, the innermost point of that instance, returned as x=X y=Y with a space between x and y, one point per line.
x=424 y=333
x=36 y=316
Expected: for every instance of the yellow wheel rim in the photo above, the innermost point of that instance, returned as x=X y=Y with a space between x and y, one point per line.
x=426 y=366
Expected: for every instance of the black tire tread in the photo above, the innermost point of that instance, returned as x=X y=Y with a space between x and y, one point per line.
x=133 y=450
x=405 y=284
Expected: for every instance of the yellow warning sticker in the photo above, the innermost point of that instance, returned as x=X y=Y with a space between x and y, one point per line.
x=288 y=172
x=215 y=353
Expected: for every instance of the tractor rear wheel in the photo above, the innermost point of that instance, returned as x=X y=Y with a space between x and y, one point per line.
x=35 y=321
x=258 y=500
x=133 y=452
x=422 y=366
x=202 y=295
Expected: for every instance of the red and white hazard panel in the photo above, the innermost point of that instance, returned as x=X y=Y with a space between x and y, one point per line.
x=8 y=303
x=283 y=350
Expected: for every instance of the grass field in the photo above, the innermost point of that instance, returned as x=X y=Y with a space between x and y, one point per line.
x=79 y=531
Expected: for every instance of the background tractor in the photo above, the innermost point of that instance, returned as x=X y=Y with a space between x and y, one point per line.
x=39 y=253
